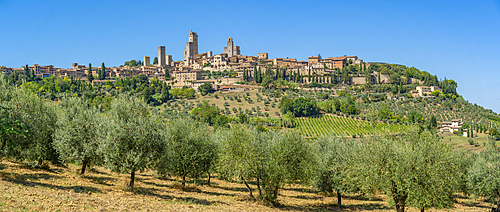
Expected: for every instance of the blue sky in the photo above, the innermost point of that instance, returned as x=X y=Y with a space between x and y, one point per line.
x=454 y=39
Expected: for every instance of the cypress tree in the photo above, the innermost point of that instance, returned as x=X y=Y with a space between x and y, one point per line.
x=90 y=76
x=260 y=75
x=102 y=72
x=27 y=71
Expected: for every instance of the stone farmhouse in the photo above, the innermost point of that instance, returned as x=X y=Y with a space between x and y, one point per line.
x=452 y=126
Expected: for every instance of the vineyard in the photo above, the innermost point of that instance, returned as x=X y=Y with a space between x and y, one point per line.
x=337 y=125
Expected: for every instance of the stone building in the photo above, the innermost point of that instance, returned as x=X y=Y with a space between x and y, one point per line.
x=146 y=61
x=426 y=90
x=186 y=77
x=161 y=56
x=231 y=49
x=314 y=59
x=453 y=125
x=168 y=60
x=191 y=48
x=263 y=56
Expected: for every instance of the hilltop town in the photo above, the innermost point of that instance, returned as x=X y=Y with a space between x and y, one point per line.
x=226 y=68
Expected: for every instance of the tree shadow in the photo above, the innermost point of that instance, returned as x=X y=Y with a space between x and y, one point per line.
x=370 y=206
x=306 y=197
x=20 y=180
x=95 y=171
x=473 y=204
x=333 y=207
x=303 y=190
x=14 y=177
x=217 y=193
x=363 y=197
x=38 y=176
x=151 y=192
x=156 y=184
x=232 y=188
x=99 y=180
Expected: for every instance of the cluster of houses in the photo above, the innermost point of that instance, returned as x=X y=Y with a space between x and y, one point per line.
x=193 y=71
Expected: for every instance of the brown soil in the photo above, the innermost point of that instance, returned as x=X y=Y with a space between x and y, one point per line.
x=62 y=189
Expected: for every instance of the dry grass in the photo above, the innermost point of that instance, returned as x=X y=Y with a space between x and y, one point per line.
x=62 y=189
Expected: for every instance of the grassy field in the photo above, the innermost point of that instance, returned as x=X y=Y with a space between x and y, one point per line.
x=338 y=125
x=62 y=189
x=461 y=141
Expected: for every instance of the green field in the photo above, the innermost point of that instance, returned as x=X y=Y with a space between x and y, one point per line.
x=337 y=125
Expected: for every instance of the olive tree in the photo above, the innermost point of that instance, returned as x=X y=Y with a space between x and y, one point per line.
x=271 y=158
x=80 y=131
x=237 y=156
x=484 y=174
x=134 y=138
x=414 y=169
x=282 y=159
x=335 y=158
x=39 y=118
x=189 y=151
x=9 y=125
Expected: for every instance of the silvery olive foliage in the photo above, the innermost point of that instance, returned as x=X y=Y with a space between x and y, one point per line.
x=336 y=157
x=134 y=139
x=484 y=174
x=81 y=129
x=188 y=152
x=39 y=117
x=416 y=169
x=272 y=159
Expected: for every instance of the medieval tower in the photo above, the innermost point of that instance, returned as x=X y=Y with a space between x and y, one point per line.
x=161 y=56
x=191 y=48
x=231 y=49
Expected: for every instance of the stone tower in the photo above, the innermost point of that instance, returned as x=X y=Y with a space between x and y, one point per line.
x=191 y=48
x=161 y=56
x=231 y=49
x=146 y=61
x=168 y=60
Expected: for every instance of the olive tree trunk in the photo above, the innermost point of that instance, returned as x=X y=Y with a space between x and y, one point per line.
x=258 y=187
x=248 y=187
x=208 y=180
x=339 y=198
x=84 y=165
x=498 y=202
x=132 y=178
x=400 y=202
